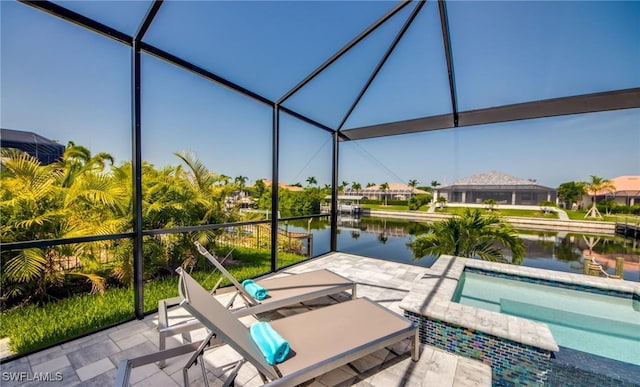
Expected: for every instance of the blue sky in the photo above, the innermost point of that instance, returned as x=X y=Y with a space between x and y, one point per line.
x=67 y=83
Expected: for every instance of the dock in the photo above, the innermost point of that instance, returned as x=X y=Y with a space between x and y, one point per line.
x=628 y=230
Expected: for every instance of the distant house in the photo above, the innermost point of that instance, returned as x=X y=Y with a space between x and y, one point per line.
x=45 y=150
x=396 y=191
x=346 y=203
x=503 y=188
x=282 y=185
x=626 y=192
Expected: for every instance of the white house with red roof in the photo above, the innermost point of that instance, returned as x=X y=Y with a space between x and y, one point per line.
x=394 y=191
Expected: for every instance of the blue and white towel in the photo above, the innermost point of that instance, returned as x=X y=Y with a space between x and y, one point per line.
x=273 y=346
x=256 y=291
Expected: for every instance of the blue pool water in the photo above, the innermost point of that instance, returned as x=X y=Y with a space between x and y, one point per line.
x=601 y=325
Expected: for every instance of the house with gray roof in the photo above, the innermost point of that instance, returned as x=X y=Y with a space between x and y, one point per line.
x=503 y=188
x=45 y=150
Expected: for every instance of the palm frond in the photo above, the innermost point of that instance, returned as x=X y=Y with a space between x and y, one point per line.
x=97 y=282
x=200 y=174
x=26 y=266
x=470 y=235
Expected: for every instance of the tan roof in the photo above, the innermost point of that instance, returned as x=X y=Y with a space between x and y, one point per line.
x=396 y=187
x=627 y=183
x=624 y=185
x=283 y=186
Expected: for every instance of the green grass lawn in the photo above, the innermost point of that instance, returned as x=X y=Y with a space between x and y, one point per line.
x=458 y=210
x=573 y=215
x=502 y=212
x=32 y=327
x=382 y=207
x=618 y=218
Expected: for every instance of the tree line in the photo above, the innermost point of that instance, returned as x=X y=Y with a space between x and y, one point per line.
x=87 y=195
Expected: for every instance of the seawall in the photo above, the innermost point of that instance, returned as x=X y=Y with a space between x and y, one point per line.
x=518 y=222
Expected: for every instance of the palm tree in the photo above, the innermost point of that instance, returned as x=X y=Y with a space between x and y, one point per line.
x=595 y=186
x=384 y=187
x=200 y=175
x=370 y=184
x=355 y=186
x=241 y=181
x=343 y=186
x=413 y=183
x=312 y=180
x=77 y=159
x=224 y=179
x=470 y=235
x=178 y=197
x=434 y=183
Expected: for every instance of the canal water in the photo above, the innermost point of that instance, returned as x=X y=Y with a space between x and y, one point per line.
x=388 y=239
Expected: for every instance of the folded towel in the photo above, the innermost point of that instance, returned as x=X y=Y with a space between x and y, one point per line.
x=256 y=291
x=274 y=348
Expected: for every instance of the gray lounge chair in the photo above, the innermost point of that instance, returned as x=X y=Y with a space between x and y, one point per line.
x=321 y=340
x=283 y=292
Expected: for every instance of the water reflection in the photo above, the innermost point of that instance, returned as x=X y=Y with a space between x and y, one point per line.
x=555 y=250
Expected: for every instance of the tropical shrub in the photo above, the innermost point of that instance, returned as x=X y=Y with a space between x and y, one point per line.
x=442 y=202
x=608 y=206
x=489 y=204
x=546 y=206
x=417 y=201
x=76 y=196
x=85 y=195
x=571 y=192
x=305 y=202
x=471 y=235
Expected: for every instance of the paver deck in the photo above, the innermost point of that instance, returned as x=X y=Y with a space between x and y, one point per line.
x=93 y=360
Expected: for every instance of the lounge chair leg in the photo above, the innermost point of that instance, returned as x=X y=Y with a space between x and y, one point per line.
x=204 y=371
x=163 y=322
x=197 y=355
x=230 y=381
x=125 y=367
x=124 y=372
x=264 y=378
x=161 y=347
x=185 y=376
x=231 y=301
x=415 y=346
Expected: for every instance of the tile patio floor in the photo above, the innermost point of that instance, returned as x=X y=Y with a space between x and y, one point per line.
x=93 y=360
